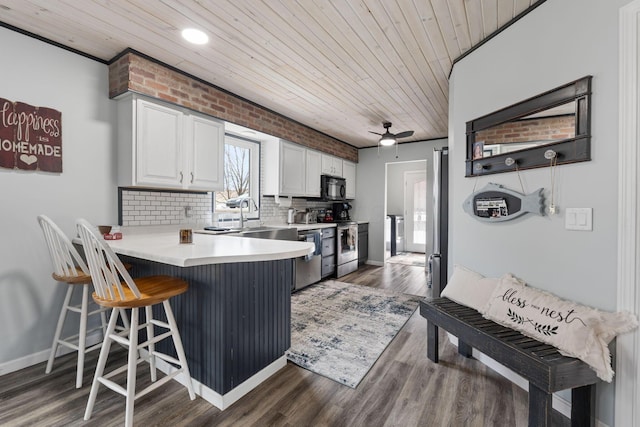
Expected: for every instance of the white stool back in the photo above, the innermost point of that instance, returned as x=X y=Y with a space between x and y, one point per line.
x=142 y=293
x=70 y=268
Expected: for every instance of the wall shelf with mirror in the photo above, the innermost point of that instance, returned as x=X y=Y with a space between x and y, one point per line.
x=517 y=137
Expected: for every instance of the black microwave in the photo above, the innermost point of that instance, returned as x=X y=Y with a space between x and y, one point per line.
x=333 y=188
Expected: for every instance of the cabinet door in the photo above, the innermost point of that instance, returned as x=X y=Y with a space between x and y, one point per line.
x=331 y=165
x=349 y=174
x=363 y=243
x=205 y=139
x=292 y=169
x=313 y=172
x=159 y=139
x=337 y=166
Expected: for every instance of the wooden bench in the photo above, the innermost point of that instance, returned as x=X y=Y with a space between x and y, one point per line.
x=541 y=364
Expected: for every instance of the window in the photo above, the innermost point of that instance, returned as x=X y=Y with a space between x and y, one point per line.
x=241 y=177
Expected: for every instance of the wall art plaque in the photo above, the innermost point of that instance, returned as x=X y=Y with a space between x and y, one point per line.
x=30 y=137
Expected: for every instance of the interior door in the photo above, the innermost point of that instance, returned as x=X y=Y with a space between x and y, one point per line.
x=415 y=211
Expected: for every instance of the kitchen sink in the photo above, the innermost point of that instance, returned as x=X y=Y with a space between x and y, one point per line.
x=273 y=233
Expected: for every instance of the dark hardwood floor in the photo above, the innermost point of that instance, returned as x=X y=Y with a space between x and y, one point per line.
x=403 y=388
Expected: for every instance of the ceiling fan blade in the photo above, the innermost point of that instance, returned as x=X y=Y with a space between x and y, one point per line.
x=404 y=134
x=375 y=133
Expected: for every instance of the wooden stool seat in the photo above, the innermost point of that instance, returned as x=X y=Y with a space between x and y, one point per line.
x=80 y=278
x=110 y=291
x=153 y=290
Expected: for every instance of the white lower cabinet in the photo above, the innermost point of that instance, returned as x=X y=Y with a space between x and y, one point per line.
x=162 y=146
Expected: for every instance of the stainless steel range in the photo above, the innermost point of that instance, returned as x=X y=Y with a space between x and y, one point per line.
x=347 y=248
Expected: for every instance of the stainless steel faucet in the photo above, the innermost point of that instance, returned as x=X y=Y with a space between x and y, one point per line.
x=241 y=215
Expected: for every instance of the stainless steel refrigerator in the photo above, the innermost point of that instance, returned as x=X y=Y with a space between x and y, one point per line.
x=437 y=261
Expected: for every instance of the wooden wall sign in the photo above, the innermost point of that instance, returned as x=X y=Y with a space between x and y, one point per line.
x=30 y=137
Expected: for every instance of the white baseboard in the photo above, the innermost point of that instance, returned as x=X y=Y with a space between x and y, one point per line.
x=218 y=400
x=376 y=263
x=559 y=404
x=42 y=356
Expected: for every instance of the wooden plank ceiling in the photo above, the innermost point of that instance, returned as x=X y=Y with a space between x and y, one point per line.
x=339 y=66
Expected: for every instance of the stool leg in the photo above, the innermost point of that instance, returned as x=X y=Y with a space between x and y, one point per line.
x=102 y=361
x=56 y=335
x=177 y=342
x=82 y=336
x=152 y=346
x=125 y=318
x=132 y=365
x=103 y=322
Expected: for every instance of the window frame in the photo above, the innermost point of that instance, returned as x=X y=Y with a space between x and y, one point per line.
x=255 y=171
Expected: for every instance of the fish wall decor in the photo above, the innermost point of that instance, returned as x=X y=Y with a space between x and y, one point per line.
x=495 y=203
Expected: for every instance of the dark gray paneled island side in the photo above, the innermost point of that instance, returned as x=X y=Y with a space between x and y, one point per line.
x=235 y=319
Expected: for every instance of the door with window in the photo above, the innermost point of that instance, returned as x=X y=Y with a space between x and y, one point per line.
x=415 y=210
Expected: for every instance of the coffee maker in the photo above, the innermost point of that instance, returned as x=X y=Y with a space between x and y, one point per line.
x=341 y=211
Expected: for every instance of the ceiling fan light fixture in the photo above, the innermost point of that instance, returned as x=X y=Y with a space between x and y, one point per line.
x=195 y=36
x=387 y=140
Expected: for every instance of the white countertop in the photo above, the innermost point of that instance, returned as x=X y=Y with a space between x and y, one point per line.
x=163 y=246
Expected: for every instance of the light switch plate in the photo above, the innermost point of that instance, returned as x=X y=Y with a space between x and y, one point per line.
x=578 y=219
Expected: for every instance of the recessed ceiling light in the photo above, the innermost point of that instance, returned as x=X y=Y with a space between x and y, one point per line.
x=195 y=36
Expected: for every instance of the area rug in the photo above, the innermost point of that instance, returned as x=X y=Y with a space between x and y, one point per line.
x=408 y=258
x=339 y=330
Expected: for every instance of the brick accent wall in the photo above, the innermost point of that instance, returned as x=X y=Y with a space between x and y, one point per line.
x=553 y=128
x=134 y=72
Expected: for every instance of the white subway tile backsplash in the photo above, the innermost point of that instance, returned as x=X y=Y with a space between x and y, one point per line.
x=164 y=208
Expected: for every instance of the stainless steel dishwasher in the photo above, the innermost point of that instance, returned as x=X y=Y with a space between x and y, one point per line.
x=308 y=268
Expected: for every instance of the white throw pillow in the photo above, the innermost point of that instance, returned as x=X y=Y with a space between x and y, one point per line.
x=576 y=330
x=469 y=288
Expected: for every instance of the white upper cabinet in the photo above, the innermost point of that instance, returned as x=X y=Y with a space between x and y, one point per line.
x=159 y=143
x=331 y=165
x=290 y=169
x=349 y=174
x=163 y=146
x=313 y=172
x=293 y=176
x=205 y=154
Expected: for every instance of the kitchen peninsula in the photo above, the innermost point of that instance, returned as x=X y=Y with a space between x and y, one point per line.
x=235 y=319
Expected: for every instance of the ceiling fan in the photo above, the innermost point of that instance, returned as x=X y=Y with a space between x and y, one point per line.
x=389 y=138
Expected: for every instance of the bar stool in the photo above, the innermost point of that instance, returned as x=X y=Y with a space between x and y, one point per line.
x=110 y=291
x=69 y=268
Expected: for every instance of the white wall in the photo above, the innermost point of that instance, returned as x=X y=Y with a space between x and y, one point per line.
x=371 y=190
x=42 y=75
x=557 y=43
